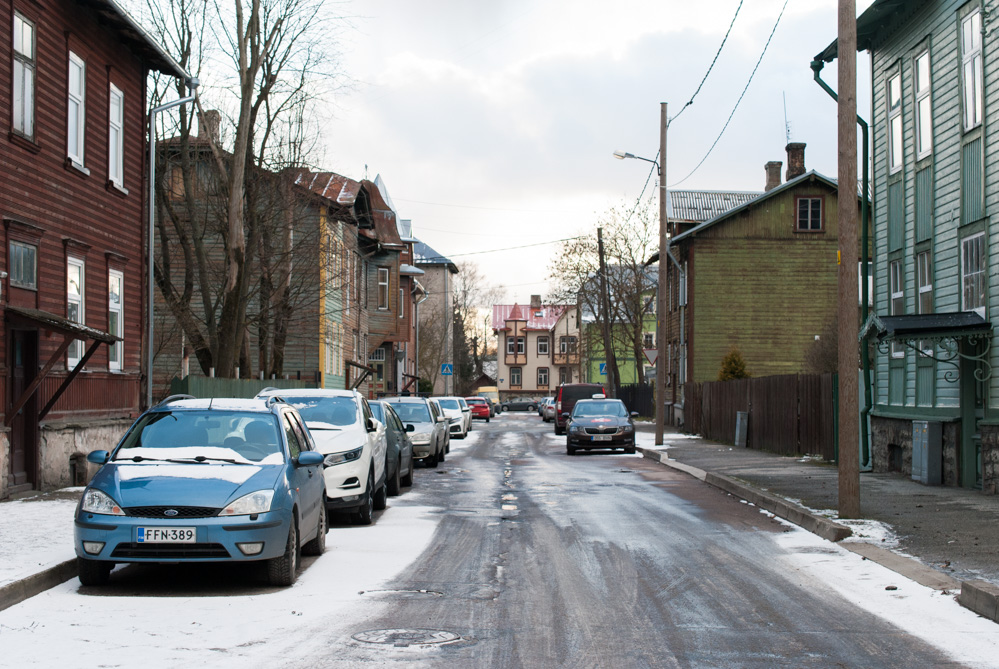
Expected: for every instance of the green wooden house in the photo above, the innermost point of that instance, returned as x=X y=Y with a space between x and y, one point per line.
x=936 y=184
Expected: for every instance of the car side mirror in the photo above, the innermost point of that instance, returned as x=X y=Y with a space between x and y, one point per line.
x=370 y=423
x=565 y=414
x=309 y=459
x=634 y=414
x=410 y=427
x=441 y=419
x=98 y=457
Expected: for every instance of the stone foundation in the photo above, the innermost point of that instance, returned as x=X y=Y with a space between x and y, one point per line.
x=990 y=459
x=4 y=463
x=891 y=447
x=63 y=449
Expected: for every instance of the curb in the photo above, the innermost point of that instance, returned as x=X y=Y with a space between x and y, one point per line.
x=16 y=592
x=981 y=597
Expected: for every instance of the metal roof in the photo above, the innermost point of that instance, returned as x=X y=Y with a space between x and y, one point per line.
x=702 y=205
x=542 y=318
x=879 y=20
x=424 y=255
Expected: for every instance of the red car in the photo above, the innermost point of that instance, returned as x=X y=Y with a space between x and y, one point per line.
x=479 y=407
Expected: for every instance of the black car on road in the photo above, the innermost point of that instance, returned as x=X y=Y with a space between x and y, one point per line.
x=600 y=423
x=527 y=404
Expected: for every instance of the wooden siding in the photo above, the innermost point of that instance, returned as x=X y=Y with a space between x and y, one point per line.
x=37 y=188
x=756 y=284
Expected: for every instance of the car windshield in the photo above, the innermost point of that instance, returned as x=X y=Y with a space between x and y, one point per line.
x=449 y=404
x=328 y=412
x=203 y=436
x=475 y=401
x=412 y=412
x=599 y=408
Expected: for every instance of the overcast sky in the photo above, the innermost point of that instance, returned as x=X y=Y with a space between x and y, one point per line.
x=493 y=124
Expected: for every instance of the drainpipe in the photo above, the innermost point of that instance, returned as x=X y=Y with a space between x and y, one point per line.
x=865 y=357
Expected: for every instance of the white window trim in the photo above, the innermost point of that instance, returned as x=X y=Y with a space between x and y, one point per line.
x=383 y=282
x=971 y=113
x=896 y=291
x=542 y=371
x=543 y=340
x=402 y=303
x=519 y=372
x=116 y=149
x=922 y=94
x=79 y=99
x=116 y=353
x=894 y=162
x=72 y=358
x=521 y=345
x=980 y=272
x=24 y=68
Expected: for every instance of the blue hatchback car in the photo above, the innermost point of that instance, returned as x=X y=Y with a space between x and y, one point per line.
x=199 y=480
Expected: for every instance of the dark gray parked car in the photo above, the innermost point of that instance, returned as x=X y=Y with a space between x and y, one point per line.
x=399 y=452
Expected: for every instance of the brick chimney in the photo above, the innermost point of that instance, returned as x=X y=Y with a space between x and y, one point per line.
x=211 y=122
x=773 y=174
x=795 y=160
x=535 y=302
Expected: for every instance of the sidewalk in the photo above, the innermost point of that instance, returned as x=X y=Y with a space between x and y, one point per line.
x=940 y=536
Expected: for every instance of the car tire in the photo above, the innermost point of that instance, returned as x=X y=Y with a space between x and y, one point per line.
x=365 y=512
x=93 y=572
x=487 y=420
x=407 y=480
x=531 y=407
x=433 y=460
x=380 y=499
x=283 y=570
x=558 y=431
x=570 y=450
x=394 y=483
x=444 y=451
x=317 y=546
x=630 y=450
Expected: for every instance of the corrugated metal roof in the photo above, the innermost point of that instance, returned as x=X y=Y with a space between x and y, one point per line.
x=424 y=255
x=702 y=205
x=543 y=318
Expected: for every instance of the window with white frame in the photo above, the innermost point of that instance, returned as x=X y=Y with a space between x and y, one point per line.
x=521 y=346
x=542 y=345
x=402 y=303
x=542 y=377
x=924 y=109
x=383 y=288
x=75 y=305
x=924 y=284
x=971 y=69
x=515 y=376
x=116 y=282
x=648 y=340
x=511 y=345
x=897 y=304
x=24 y=76
x=567 y=344
x=116 y=139
x=973 y=277
x=23 y=265
x=76 y=110
x=894 y=102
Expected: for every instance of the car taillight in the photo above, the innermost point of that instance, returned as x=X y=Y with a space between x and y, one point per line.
x=558 y=406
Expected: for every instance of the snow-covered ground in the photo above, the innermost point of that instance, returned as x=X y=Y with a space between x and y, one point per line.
x=35 y=535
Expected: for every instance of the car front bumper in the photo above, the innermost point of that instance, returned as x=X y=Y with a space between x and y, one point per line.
x=217 y=539
x=587 y=441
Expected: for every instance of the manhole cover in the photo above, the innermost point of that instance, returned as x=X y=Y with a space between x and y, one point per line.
x=403 y=637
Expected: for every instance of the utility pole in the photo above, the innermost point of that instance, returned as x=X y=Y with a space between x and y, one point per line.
x=662 y=368
x=610 y=365
x=846 y=201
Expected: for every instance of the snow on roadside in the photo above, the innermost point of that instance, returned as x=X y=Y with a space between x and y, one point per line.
x=35 y=534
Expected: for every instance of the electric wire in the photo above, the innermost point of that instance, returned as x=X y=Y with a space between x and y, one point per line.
x=765 y=46
x=424 y=259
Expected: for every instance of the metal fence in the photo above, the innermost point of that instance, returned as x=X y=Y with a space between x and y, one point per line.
x=790 y=414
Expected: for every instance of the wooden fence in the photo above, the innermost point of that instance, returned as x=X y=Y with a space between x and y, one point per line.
x=792 y=414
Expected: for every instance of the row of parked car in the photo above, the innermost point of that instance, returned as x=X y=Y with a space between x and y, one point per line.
x=255 y=479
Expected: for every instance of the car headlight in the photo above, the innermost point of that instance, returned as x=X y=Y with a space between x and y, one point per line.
x=455 y=421
x=255 y=502
x=627 y=428
x=577 y=430
x=420 y=438
x=340 y=458
x=95 y=501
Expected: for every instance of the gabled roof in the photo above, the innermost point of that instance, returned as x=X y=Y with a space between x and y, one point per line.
x=336 y=187
x=543 y=318
x=702 y=205
x=811 y=175
x=424 y=255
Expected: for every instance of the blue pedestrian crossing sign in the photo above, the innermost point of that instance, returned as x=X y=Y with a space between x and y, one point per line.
x=603 y=369
x=447 y=369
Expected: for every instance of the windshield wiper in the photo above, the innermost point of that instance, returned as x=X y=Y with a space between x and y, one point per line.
x=205 y=458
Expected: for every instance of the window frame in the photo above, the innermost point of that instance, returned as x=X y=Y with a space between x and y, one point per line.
x=23 y=123
x=76 y=153
x=75 y=351
x=383 y=288
x=521 y=346
x=116 y=147
x=971 y=63
x=812 y=200
x=13 y=265
x=979 y=275
x=894 y=125
x=116 y=353
x=922 y=95
x=896 y=298
x=543 y=377
x=518 y=374
x=543 y=340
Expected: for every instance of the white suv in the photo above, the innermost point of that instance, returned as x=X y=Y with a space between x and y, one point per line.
x=353 y=443
x=458 y=414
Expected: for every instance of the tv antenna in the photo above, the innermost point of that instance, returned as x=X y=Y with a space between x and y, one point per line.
x=787 y=124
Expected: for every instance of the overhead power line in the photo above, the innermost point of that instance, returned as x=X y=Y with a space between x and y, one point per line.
x=511 y=248
x=760 y=60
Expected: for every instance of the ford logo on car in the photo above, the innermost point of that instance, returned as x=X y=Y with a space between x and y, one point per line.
x=170 y=512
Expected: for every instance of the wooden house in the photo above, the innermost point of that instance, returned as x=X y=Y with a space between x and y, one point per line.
x=72 y=195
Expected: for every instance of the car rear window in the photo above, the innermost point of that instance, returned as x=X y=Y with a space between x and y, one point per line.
x=449 y=404
x=576 y=393
x=340 y=411
x=412 y=412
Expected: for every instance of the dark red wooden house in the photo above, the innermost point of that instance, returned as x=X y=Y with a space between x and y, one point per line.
x=72 y=203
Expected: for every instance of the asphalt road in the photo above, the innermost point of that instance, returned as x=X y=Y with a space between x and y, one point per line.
x=601 y=560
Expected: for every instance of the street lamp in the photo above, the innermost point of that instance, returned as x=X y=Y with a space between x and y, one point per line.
x=192 y=85
x=664 y=256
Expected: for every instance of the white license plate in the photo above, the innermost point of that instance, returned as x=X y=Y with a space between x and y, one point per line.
x=167 y=535
x=602 y=437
